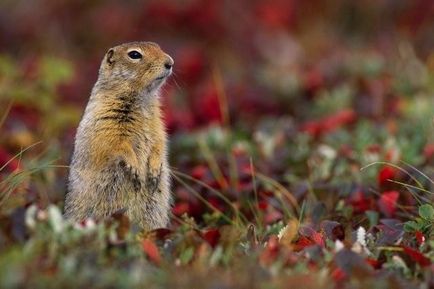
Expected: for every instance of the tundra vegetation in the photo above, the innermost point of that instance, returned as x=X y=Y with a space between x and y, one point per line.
x=301 y=144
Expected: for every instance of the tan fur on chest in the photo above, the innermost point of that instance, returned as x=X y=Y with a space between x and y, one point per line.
x=132 y=133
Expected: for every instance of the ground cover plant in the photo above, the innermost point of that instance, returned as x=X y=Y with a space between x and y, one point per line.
x=301 y=145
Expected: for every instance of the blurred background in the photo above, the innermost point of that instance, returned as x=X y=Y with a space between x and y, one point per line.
x=276 y=80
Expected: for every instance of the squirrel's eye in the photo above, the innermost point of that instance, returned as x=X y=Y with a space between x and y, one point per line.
x=134 y=54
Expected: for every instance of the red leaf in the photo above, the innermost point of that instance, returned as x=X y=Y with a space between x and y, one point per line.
x=273 y=216
x=180 y=208
x=263 y=205
x=302 y=243
x=314 y=236
x=374 y=263
x=337 y=120
x=312 y=128
x=161 y=233
x=199 y=171
x=318 y=239
x=417 y=257
x=387 y=203
x=338 y=275
x=212 y=236
x=419 y=237
x=360 y=202
x=271 y=251
x=329 y=123
x=6 y=158
x=428 y=151
x=151 y=250
x=386 y=173
x=216 y=203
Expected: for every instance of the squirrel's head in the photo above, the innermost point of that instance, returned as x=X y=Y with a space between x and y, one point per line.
x=140 y=66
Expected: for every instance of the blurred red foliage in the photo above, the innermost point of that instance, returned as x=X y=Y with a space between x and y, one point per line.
x=329 y=124
x=386 y=174
x=151 y=250
x=388 y=203
x=417 y=257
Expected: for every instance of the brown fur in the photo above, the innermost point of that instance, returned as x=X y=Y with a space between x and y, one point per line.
x=120 y=154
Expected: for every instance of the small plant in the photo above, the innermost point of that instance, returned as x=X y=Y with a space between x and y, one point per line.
x=423 y=222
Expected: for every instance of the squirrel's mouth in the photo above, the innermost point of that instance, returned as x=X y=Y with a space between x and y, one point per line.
x=157 y=82
x=164 y=76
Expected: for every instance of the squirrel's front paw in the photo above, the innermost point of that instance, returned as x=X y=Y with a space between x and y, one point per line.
x=153 y=180
x=132 y=173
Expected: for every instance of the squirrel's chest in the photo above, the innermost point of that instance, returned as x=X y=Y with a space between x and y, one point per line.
x=110 y=132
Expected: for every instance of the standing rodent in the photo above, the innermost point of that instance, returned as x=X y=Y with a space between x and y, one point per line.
x=120 y=154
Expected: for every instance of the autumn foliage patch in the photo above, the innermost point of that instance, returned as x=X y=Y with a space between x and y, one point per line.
x=301 y=144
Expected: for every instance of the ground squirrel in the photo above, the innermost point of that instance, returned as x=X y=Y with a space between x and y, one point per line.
x=120 y=154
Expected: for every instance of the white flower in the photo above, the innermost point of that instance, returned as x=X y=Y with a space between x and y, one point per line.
x=30 y=216
x=338 y=245
x=55 y=218
x=281 y=232
x=327 y=151
x=360 y=245
x=361 y=236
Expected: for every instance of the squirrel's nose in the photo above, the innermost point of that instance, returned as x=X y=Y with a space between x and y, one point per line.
x=169 y=63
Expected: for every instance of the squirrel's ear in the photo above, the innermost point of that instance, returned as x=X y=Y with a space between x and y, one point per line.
x=109 y=57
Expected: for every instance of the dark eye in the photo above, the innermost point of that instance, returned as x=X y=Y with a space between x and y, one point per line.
x=134 y=54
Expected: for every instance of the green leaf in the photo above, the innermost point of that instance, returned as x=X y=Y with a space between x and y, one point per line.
x=186 y=255
x=411 y=226
x=426 y=212
x=372 y=217
x=54 y=71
